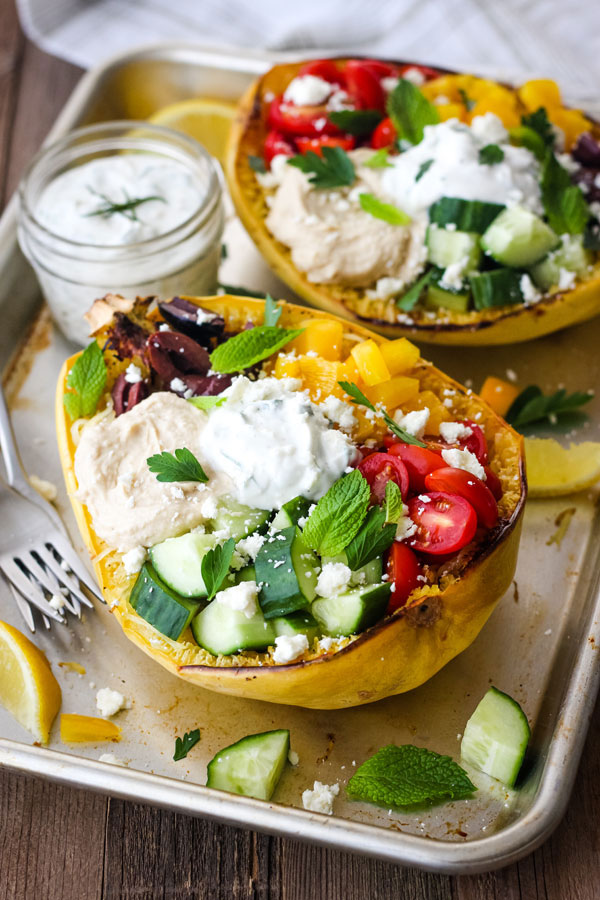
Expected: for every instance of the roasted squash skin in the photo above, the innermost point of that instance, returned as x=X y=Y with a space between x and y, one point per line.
x=396 y=655
x=502 y=325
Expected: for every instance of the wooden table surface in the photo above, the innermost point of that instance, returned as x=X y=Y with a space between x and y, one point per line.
x=58 y=843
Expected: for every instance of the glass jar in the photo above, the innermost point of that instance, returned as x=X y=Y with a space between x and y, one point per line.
x=81 y=247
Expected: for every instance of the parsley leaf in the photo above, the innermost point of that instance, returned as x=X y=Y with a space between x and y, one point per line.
x=379 y=160
x=564 y=203
x=207 y=402
x=393 y=502
x=184 y=745
x=356 y=121
x=333 y=169
x=539 y=122
x=403 y=776
x=491 y=154
x=250 y=347
x=409 y=299
x=272 y=311
x=257 y=164
x=410 y=111
x=358 y=397
x=87 y=380
x=385 y=211
x=338 y=515
x=467 y=101
x=182 y=467
x=532 y=406
x=215 y=566
x=373 y=538
x=424 y=167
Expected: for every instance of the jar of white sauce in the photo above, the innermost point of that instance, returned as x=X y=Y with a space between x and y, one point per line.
x=121 y=207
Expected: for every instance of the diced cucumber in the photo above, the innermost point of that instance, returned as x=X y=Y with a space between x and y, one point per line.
x=353 y=611
x=222 y=630
x=518 y=238
x=290 y=513
x=496 y=737
x=498 y=287
x=251 y=767
x=178 y=562
x=467 y=215
x=286 y=569
x=437 y=297
x=446 y=247
x=370 y=573
x=248 y=573
x=239 y=520
x=297 y=623
x=571 y=255
x=162 y=607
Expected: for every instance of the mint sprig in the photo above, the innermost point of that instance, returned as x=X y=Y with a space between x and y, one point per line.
x=564 y=203
x=331 y=170
x=183 y=466
x=532 y=406
x=215 y=566
x=272 y=311
x=358 y=397
x=526 y=137
x=392 y=504
x=356 y=121
x=539 y=122
x=86 y=380
x=397 y=777
x=207 y=402
x=385 y=211
x=250 y=347
x=410 y=111
x=372 y=539
x=338 y=515
x=491 y=155
x=410 y=298
x=184 y=745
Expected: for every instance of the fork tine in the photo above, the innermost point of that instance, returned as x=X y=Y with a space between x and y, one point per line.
x=29 y=589
x=66 y=551
x=23 y=607
x=51 y=563
x=48 y=580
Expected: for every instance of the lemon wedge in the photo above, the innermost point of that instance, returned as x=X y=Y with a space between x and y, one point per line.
x=28 y=689
x=207 y=121
x=553 y=469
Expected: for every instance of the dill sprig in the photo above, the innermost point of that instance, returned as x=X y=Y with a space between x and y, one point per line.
x=127 y=208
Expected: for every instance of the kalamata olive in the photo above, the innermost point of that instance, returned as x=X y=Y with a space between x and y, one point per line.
x=587 y=150
x=126 y=395
x=174 y=355
x=127 y=338
x=207 y=385
x=590 y=179
x=200 y=324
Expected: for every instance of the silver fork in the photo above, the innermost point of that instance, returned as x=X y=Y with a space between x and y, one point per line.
x=36 y=555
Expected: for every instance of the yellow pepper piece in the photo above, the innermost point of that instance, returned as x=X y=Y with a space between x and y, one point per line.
x=76 y=729
x=501 y=107
x=438 y=413
x=370 y=362
x=540 y=92
x=321 y=336
x=321 y=377
x=444 y=86
x=400 y=355
x=394 y=392
x=498 y=394
x=571 y=122
x=287 y=366
x=367 y=428
x=451 y=111
x=350 y=372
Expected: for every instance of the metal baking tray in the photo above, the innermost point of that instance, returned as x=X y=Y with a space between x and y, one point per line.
x=540 y=645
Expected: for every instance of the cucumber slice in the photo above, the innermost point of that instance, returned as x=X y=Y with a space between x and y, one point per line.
x=467 y=215
x=178 y=562
x=437 y=297
x=223 y=631
x=290 y=513
x=518 y=238
x=498 y=287
x=297 y=623
x=251 y=767
x=446 y=247
x=571 y=255
x=496 y=737
x=353 y=611
x=159 y=605
x=238 y=520
x=286 y=569
x=370 y=573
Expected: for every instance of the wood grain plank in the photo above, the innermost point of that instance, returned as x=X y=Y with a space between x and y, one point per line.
x=11 y=51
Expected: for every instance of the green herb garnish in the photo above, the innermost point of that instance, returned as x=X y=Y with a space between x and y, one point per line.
x=564 y=203
x=410 y=111
x=539 y=122
x=257 y=164
x=491 y=155
x=215 y=566
x=87 y=380
x=392 y=504
x=372 y=539
x=184 y=745
x=238 y=291
x=249 y=347
x=356 y=121
x=338 y=515
x=379 y=160
x=183 y=466
x=410 y=298
x=272 y=311
x=333 y=169
x=530 y=139
x=404 y=776
x=533 y=407
x=359 y=398
x=127 y=208
x=385 y=211
x=424 y=167
x=207 y=402
x=468 y=102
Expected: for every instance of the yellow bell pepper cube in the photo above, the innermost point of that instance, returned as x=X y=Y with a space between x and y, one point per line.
x=500 y=106
x=87 y=729
x=438 y=413
x=498 y=394
x=445 y=86
x=451 y=111
x=540 y=92
x=370 y=362
x=571 y=122
x=287 y=366
x=320 y=377
x=393 y=393
x=321 y=336
x=400 y=355
x=350 y=372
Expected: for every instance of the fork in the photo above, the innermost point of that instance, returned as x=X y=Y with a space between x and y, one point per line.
x=36 y=555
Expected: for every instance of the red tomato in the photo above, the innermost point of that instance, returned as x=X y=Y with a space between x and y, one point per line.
x=445 y=523
x=363 y=83
x=378 y=469
x=380 y=68
x=276 y=144
x=325 y=69
x=472 y=488
x=493 y=482
x=427 y=72
x=419 y=462
x=476 y=442
x=310 y=121
x=403 y=570
x=305 y=144
x=384 y=135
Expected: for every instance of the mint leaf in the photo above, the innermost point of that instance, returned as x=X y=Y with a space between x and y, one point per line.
x=532 y=406
x=380 y=210
x=530 y=139
x=208 y=402
x=272 y=311
x=257 y=164
x=409 y=299
x=250 y=347
x=539 y=122
x=338 y=515
x=333 y=169
x=182 y=467
x=563 y=201
x=410 y=111
x=356 y=121
x=215 y=566
x=379 y=160
x=423 y=168
x=403 y=776
x=359 y=398
x=373 y=538
x=490 y=155
x=87 y=380
x=393 y=505
x=184 y=745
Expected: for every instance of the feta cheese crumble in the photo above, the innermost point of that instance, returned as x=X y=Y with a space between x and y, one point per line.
x=566 y=279
x=293 y=758
x=413 y=422
x=133 y=560
x=405 y=528
x=321 y=798
x=338 y=412
x=250 y=545
x=529 y=290
x=241 y=597
x=307 y=90
x=133 y=374
x=109 y=702
x=333 y=579
x=464 y=459
x=289 y=647
x=57 y=602
x=112 y=759
x=454 y=431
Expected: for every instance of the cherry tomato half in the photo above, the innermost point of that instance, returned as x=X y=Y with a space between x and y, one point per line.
x=472 y=488
x=419 y=462
x=363 y=84
x=380 y=68
x=476 y=442
x=384 y=135
x=275 y=145
x=310 y=121
x=403 y=570
x=445 y=523
x=305 y=144
x=378 y=469
x=325 y=69
x=493 y=483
